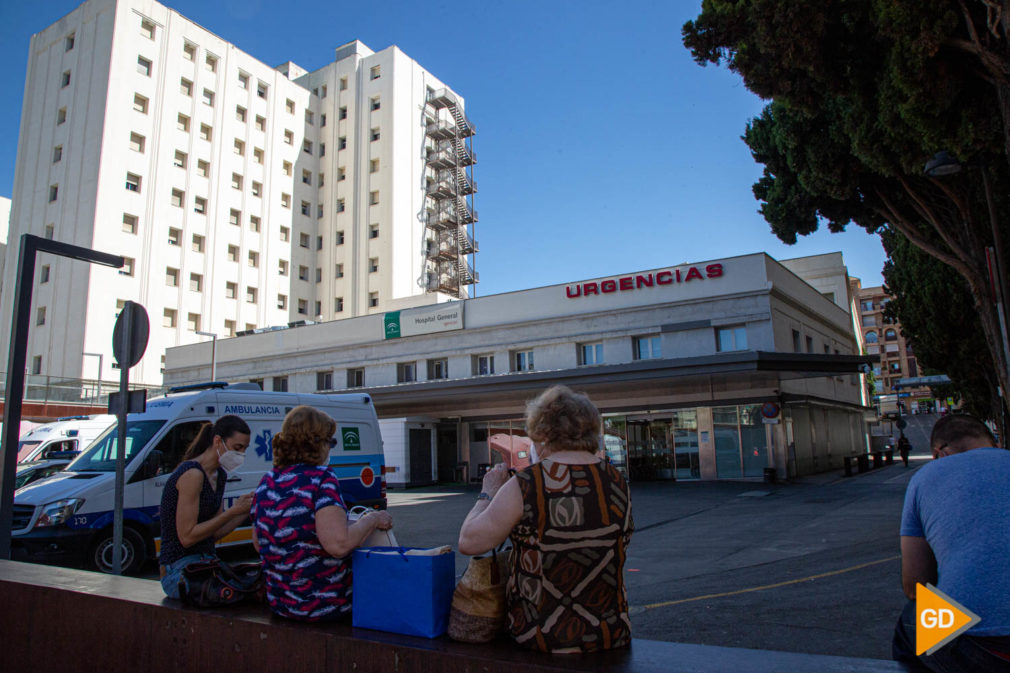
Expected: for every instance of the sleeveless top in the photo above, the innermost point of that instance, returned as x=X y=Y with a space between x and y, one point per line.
x=566 y=591
x=210 y=502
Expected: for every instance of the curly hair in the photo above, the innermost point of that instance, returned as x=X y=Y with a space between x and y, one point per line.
x=304 y=437
x=564 y=420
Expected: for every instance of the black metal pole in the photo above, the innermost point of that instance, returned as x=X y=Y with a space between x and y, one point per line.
x=14 y=393
x=17 y=355
x=124 y=398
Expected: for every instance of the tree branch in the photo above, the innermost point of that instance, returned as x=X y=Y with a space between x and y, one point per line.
x=932 y=219
x=911 y=232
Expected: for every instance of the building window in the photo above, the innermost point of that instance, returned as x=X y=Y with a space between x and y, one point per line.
x=200 y=205
x=375 y=135
x=140 y=103
x=254 y=259
x=143 y=67
x=890 y=335
x=254 y=224
x=303 y=307
x=180 y=160
x=133 y=182
x=323 y=94
x=373 y=264
x=174 y=236
x=285 y=233
x=522 y=361
x=373 y=299
x=193 y=322
x=261 y=123
x=342 y=112
x=239 y=147
x=319 y=211
x=591 y=354
x=250 y=295
x=307 y=146
x=356 y=378
x=732 y=338
x=189 y=51
x=58 y=153
x=647 y=347
x=340 y=205
x=198 y=242
x=285 y=200
x=257 y=189
x=339 y=271
x=202 y=168
x=342 y=143
x=338 y=305
x=61 y=116
x=258 y=155
x=796 y=342
x=211 y=63
x=48 y=232
x=438 y=368
x=303 y=272
x=375 y=72
x=406 y=372
x=240 y=113
x=338 y=237
x=186 y=87
x=147 y=29
x=36 y=365
x=236 y=181
x=373 y=166
x=171 y=277
x=324 y=380
x=373 y=231
x=195 y=282
x=262 y=89
x=182 y=123
x=129 y=223
x=872 y=338
x=68 y=42
x=65 y=79
x=375 y=104
x=230 y=289
x=229 y=328
x=341 y=174
x=319 y=277
x=282 y=302
x=307 y=177
x=168 y=318
x=303 y=240
x=322 y=120
x=289 y=105
x=232 y=253
x=289 y=139
x=40 y=315
x=128 y=267
x=54 y=192
x=309 y=117
x=343 y=84
x=206 y=133
x=483 y=365
x=137 y=142
x=282 y=267
x=44 y=274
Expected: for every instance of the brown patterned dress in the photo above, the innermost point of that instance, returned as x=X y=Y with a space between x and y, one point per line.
x=566 y=582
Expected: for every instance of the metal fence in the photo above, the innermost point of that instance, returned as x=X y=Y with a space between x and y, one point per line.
x=47 y=389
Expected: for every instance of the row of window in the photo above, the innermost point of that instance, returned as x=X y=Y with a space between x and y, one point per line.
x=800 y=340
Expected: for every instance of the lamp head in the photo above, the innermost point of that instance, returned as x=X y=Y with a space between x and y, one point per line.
x=942 y=164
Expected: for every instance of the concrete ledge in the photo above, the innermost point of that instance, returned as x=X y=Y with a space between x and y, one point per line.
x=59 y=619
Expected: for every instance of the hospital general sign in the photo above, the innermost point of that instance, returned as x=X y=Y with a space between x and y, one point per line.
x=639 y=281
x=427 y=320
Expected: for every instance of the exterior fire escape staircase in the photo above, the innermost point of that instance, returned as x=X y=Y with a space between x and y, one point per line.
x=451 y=217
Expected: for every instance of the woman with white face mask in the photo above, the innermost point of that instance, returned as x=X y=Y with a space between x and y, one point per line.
x=192 y=510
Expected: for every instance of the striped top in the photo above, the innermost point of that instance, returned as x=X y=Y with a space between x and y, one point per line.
x=566 y=588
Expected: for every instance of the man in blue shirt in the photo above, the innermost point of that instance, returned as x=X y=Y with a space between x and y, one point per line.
x=955 y=534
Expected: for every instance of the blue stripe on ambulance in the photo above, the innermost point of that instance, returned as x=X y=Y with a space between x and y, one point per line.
x=360 y=476
x=146 y=516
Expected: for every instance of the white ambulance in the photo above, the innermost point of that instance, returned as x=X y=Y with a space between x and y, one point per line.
x=73 y=433
x=67 y=518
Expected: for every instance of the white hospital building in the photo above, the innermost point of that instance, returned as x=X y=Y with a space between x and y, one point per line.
x=243 y=196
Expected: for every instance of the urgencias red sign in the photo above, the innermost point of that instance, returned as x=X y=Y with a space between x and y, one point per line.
x=638 y=281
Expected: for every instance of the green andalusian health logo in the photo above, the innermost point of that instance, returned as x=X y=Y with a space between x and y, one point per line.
x=351 y=439
x=392 y=325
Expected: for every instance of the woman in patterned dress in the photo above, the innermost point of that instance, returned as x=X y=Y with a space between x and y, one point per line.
x=569 y=519
x=300 y=523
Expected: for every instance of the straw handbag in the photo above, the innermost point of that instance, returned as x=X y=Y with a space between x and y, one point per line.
x=478 y=604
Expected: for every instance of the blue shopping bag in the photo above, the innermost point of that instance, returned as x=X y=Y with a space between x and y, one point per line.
x=401 y=593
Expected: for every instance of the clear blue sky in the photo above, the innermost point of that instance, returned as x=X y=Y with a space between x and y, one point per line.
x=603 y=148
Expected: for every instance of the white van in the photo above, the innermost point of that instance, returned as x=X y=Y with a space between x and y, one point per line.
x=73 y=433
x=67 y=518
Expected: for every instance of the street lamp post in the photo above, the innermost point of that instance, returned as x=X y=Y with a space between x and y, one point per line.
x=213 y=353
x=98 y=391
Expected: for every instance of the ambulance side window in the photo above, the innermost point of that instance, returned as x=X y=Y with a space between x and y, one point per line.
x=174 y=444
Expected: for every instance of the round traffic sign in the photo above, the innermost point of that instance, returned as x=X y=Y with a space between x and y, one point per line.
x=129 y=337
x=901 y=423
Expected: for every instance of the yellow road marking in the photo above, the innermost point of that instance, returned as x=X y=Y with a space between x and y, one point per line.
x=652 y=606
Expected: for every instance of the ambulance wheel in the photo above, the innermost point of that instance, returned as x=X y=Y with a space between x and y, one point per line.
x=134 y=553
